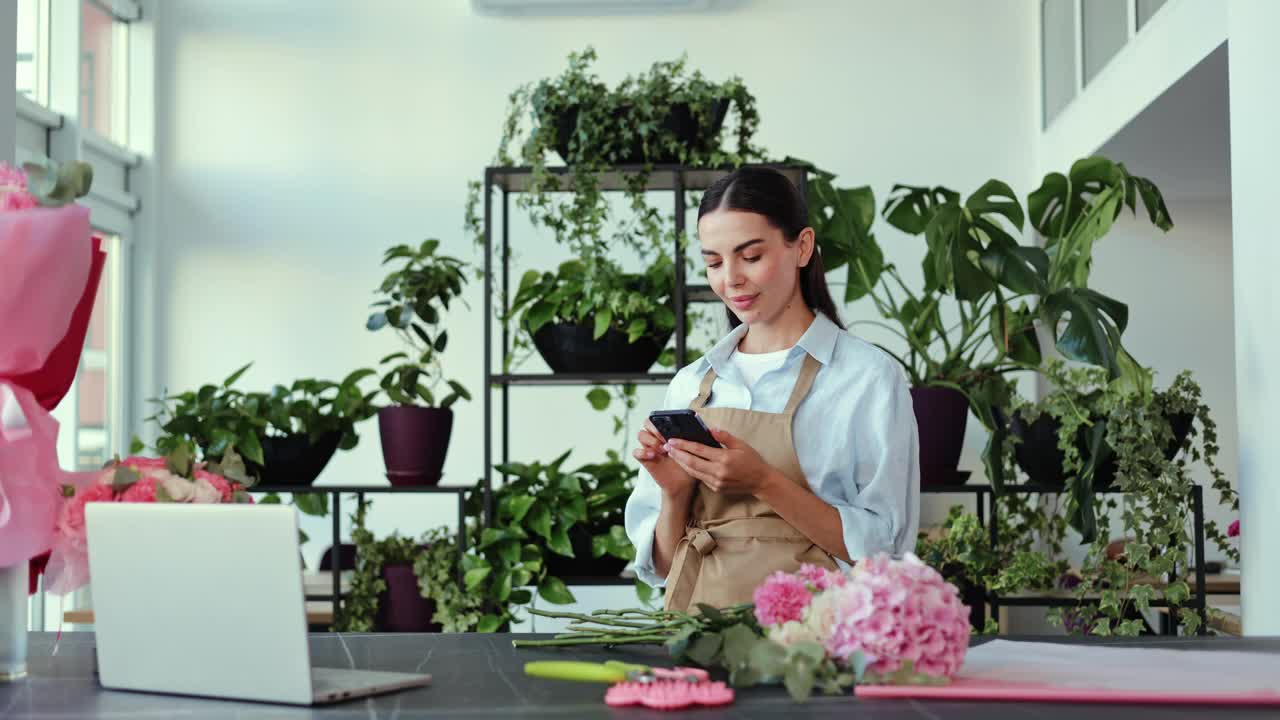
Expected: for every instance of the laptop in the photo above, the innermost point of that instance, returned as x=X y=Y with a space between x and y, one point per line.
x=207 y=600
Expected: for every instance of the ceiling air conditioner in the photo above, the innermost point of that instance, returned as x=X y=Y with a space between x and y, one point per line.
x=591 y=7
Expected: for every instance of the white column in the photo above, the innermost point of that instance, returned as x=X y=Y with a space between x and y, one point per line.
x=8 y=62
x=1254 y=55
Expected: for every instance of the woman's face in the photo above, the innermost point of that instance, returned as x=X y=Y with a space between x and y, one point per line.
x=749 y=265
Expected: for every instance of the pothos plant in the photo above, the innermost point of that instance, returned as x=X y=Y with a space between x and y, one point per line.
x=434 y=559
x=536 y=512
x=995 y=287
x=1134 y=428
x=413 y=299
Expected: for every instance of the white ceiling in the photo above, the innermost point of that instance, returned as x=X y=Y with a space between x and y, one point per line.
x=1182 y=141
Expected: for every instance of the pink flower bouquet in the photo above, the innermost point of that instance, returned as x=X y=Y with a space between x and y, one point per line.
x=134 y=479
x=893 y=621
x=46 y=275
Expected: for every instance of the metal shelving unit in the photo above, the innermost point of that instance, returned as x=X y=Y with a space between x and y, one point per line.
x=672 y=178
x=336 y=492
x=985 y=497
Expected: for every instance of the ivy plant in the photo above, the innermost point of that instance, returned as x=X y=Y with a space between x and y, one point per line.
x=413 y=299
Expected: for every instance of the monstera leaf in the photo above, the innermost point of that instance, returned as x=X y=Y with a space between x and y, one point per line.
x=842 y=219
x=1092 y=333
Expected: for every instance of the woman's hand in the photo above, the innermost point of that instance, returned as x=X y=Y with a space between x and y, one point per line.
x=652 y=454
x=734 y=469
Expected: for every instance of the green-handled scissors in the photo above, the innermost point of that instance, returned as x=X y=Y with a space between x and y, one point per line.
x=611 y=672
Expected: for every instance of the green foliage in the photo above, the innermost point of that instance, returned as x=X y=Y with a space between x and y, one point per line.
x=536 y=512
x=413 y=299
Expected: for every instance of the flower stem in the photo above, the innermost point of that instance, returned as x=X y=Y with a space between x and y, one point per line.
x=601 y=640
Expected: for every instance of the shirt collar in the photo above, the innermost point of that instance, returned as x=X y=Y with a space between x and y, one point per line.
x=819 y=340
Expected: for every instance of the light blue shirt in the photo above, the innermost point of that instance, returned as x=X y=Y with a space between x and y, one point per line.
x=855 y=435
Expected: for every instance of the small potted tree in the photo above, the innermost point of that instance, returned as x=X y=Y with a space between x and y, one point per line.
x=416 y=427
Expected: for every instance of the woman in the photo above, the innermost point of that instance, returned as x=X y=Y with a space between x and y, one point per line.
x=819 y=462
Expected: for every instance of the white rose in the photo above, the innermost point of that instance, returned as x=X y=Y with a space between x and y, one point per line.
x=205 y=492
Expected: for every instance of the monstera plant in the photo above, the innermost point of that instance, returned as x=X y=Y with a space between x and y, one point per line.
x=995 y=287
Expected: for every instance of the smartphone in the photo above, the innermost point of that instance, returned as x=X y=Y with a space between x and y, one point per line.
x=682 y=424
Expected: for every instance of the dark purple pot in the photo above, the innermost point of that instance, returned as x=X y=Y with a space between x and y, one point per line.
x=401 y=607
x=414 y=442
x=941 y=417
x=681 y=122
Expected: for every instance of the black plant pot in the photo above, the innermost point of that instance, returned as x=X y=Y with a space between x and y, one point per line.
x=941 y=416
x=582 y=564
x=401 y=607
x=294 y=459
x=414 y=443
x=681 y=122
x=1040 y=458
x=570 y=348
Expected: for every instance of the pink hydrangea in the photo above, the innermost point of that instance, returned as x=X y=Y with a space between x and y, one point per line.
x=894 y=611
x=819 y=578
x=71 y=519
x=781 y=598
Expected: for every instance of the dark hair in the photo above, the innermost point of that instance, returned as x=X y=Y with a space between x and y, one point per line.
x=767 y=192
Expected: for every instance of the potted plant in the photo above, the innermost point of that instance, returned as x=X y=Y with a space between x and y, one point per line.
x=416 y=427
x=286 y=436
x=538 y=514
x=666 y=114
x=403 y=584
x=999 y=289
x=592 y=317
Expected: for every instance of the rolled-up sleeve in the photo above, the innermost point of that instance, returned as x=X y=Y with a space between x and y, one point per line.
x=641 y=518
x=880 y=507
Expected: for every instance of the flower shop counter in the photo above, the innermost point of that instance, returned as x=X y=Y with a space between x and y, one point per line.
x=482 y=676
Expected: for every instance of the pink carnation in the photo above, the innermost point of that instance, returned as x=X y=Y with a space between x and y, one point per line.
x=13 y=186
x=782 y=597
x=143 y=491
x=71 y=520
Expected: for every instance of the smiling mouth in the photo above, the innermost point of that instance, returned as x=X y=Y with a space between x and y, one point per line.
x=742 y=302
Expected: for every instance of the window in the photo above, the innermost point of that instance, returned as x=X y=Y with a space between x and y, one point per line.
x=1104 y=32
x=32 y=67
x=104 y=58
x=1058 y=62
x=1147 y=8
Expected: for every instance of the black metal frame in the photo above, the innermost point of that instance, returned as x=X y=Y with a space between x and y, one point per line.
x=336 y=492
x=984 y=494
x=661 y=178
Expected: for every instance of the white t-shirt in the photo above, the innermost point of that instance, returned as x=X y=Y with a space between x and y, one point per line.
x=754 y=365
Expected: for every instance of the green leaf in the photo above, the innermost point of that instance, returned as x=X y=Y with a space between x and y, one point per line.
x=644 y=592
x=599 y=545
x=553 y=590
x=313 y=504
x=376 y=321
x=704 y=648
x=558 y=542
x=637 y=329
x=472 y=579
x=251 y=447
x=538 y=519
x=1092 y=334
x=489 y=624
x=441 y=340
x=599 y=398
x=711 y=613
x=603 y=319
x=738 y=643
x=520 y=597
x=233 y=377
x=768 y=658
x=540 y=314
x=520 y=507
x=997 y=198
x=136 y=445
x=799 y=679
x=910 y=209
x=1178 y=592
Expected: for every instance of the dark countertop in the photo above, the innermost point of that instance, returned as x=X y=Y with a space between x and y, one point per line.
x=482 y=676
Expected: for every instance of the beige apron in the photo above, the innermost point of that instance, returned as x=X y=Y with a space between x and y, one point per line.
x=734 y=542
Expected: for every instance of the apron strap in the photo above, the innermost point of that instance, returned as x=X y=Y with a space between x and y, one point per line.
x=704 y=390
x=805 y=381
x=698 y=542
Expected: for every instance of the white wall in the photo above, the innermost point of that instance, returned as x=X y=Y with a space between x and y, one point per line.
x=1255 y=152
x=297 y=140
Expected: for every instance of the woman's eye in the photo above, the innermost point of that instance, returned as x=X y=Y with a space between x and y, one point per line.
x=713 y=265
x=751 y=259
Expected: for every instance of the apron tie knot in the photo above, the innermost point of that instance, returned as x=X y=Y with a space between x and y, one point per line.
x=702 y=541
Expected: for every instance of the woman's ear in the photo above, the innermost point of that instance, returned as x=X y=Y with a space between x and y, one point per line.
x=807 y=239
